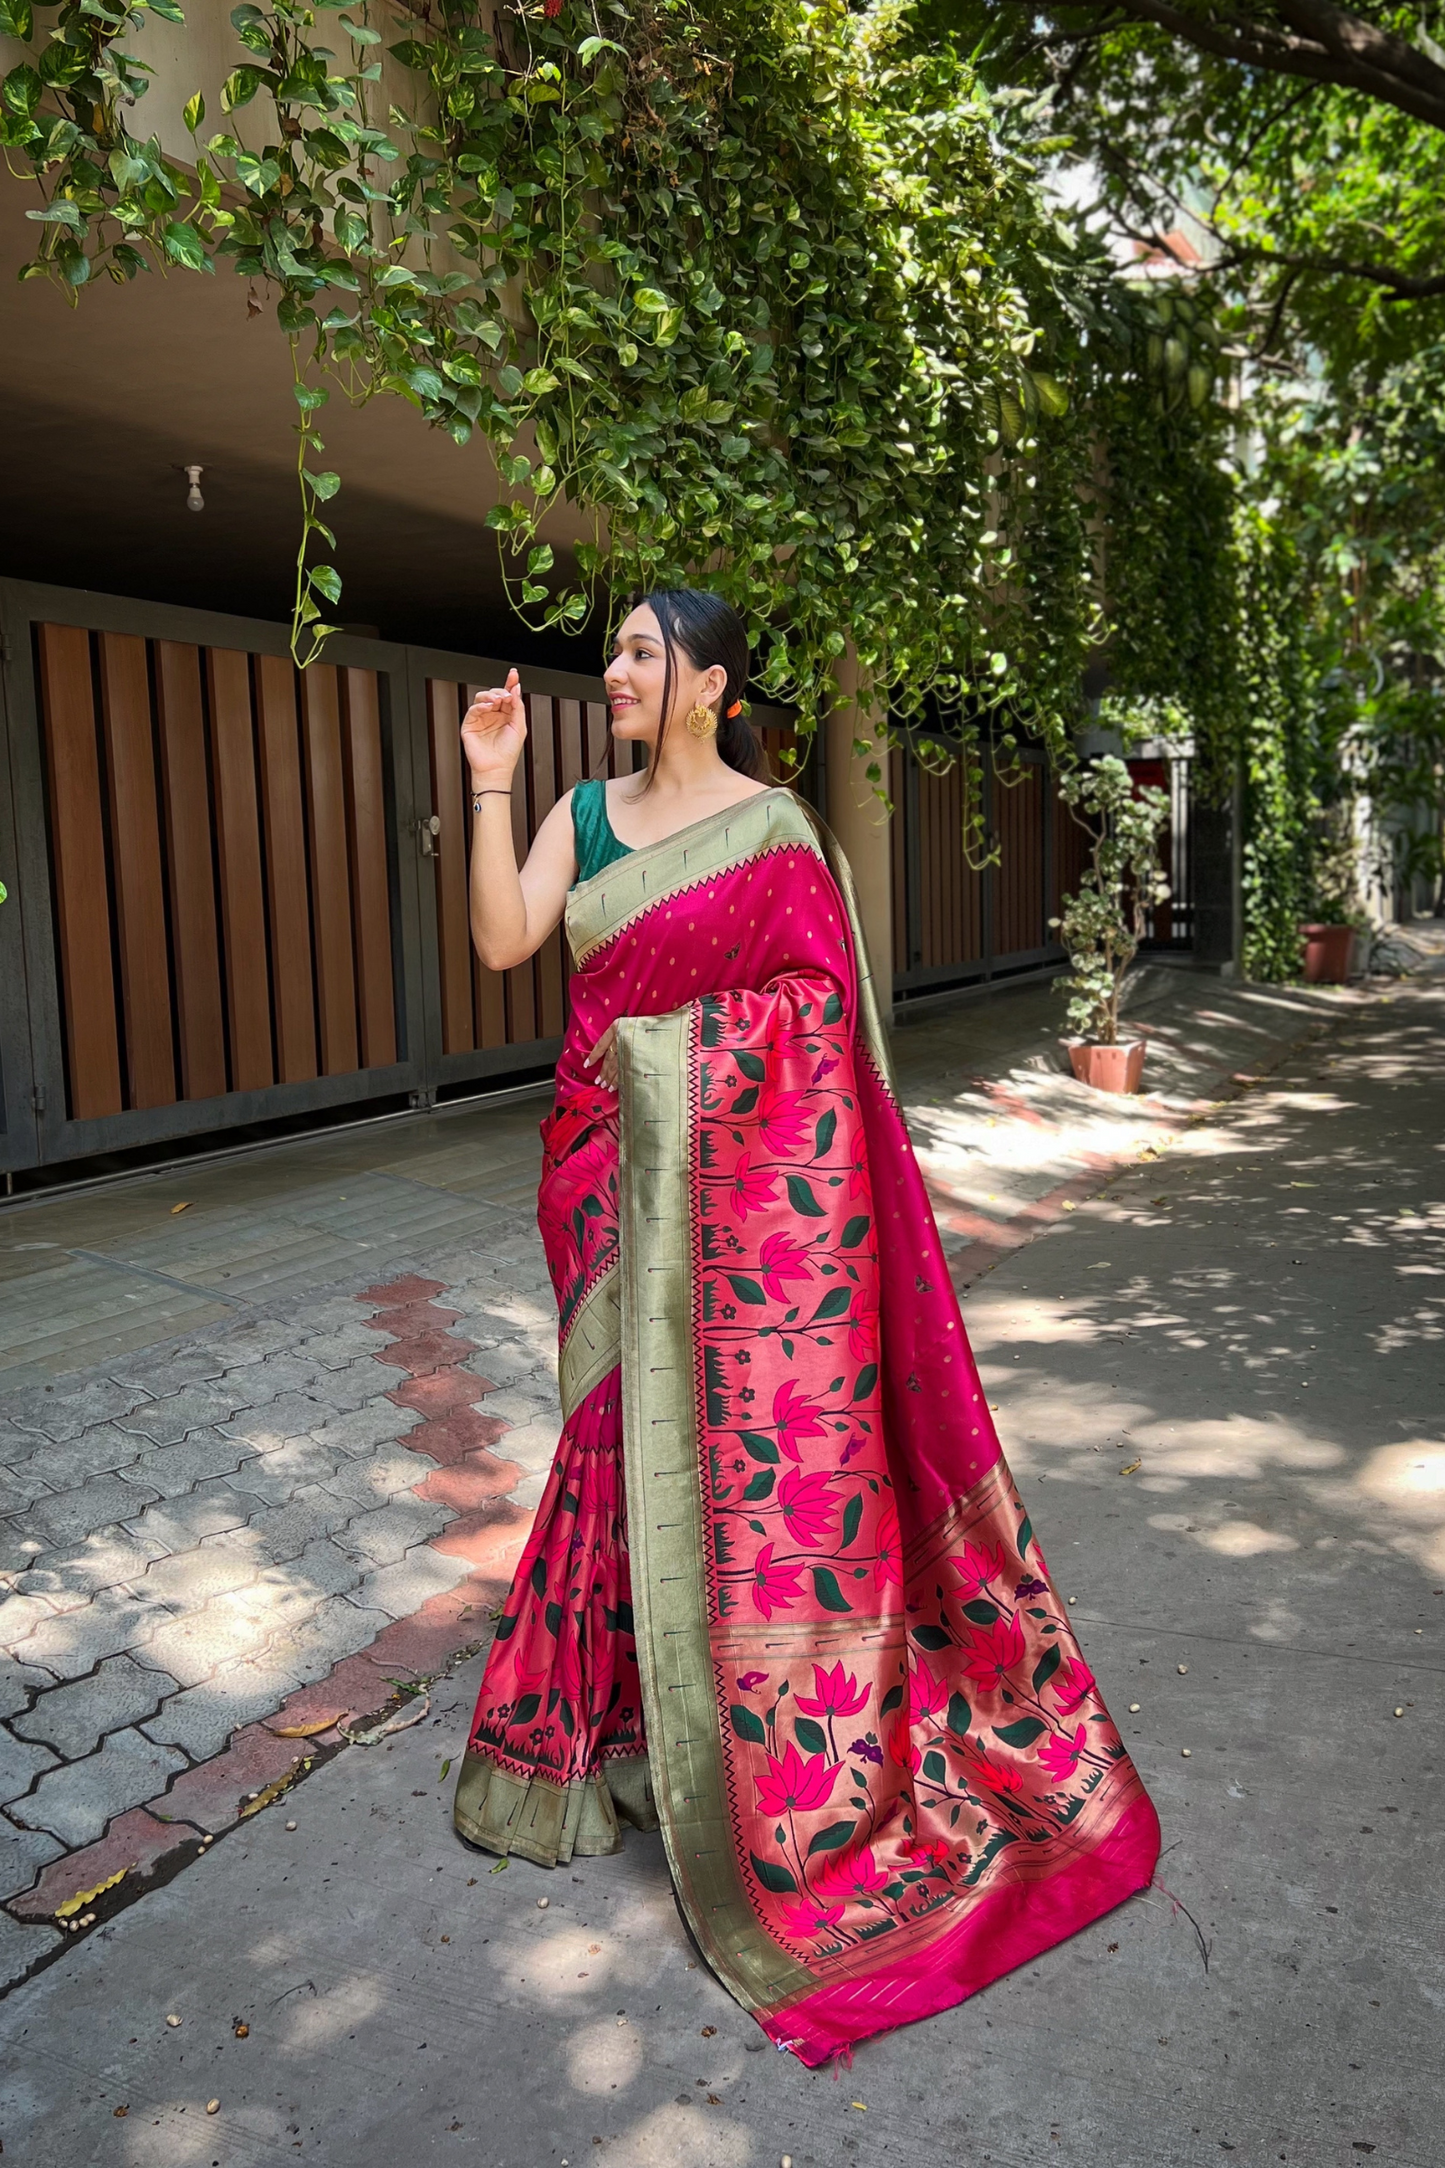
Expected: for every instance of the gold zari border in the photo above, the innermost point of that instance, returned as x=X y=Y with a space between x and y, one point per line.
x=594 y=1343
x=665 y=1527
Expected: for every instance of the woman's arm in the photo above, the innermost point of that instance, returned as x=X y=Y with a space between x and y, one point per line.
x=512 y=912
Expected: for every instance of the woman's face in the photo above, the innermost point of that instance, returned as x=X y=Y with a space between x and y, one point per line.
x=635 y=675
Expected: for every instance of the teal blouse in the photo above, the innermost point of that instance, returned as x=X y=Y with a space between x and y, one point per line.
x=596 y=844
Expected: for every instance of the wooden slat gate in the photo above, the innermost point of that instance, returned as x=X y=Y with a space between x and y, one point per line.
x=954 y=923
x=238 y=892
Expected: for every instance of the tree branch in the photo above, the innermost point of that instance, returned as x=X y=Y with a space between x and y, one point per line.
x=1336 y=48
x=1401 y=285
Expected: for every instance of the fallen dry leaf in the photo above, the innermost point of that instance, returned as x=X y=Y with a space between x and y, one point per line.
x=708 y=2031
x=180 y=1208
x=84 y=1897
x=1131 y=1467
x=411 y=1712
x=273 y=1792
x=241 y=2030
x=442 y=1772
x=121 y=2111
x=327 y=1721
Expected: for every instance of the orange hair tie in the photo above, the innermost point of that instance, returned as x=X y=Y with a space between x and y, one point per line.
x=735 y=709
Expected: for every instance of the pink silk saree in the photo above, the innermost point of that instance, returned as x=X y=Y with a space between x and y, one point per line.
x=781 y=1597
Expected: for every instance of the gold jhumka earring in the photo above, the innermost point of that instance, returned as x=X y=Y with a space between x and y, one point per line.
x=701 y=721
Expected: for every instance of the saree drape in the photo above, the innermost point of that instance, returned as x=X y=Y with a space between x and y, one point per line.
x=782 y=1597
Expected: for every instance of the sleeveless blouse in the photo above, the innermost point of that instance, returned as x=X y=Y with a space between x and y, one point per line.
x=595 y=843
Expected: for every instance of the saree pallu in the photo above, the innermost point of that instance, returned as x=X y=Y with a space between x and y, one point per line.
x=782 y=1598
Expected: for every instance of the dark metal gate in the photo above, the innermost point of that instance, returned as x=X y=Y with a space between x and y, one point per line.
x=1173 y=920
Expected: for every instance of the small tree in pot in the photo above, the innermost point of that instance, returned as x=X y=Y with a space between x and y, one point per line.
x=1106 y=920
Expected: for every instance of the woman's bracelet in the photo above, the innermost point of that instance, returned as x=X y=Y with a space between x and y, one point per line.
x=479 y=795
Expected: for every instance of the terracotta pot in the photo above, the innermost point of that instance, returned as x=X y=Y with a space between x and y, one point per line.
x=1108 y=1068
x=1327 y=954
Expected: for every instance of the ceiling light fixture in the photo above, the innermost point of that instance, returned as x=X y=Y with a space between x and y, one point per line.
x=195 y=502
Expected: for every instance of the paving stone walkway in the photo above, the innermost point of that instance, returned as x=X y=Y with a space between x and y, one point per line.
x=272 y=1428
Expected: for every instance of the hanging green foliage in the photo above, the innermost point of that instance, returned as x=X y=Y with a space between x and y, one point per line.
x=770 y=290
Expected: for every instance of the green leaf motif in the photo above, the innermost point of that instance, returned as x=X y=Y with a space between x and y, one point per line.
x=831 y=1839
x=827 y=1591
x=892 y=1700
x=773 y=1876
x=833 y=1304
x=827 y=1129
x=981 y=1611
x=802 y=1200
x=745 y=1289
x=960 y=1716
x=1046 y=1666
x=526 y=1708
x=852 y=1515
x=865 y=1381
x=760 y=1486
x=748 y=1724
x=854 y=1232
x=1020 y=1734
x=935 y=1768
x=811 y=1736
x=751 y=1066
x=761 y=1448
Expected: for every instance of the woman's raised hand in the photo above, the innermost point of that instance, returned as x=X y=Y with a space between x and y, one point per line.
x=494 y=730
x=604 y=1053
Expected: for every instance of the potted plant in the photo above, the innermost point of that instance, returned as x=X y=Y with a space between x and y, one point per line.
x=1103 y=924
x=1334 y=918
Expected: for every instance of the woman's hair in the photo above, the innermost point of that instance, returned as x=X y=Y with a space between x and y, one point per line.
x=710 y=633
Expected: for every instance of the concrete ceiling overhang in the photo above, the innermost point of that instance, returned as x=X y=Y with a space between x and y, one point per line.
x=106 y=401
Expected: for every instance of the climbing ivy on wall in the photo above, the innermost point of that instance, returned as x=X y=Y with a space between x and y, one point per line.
x=1277 y=709
x=769 y=289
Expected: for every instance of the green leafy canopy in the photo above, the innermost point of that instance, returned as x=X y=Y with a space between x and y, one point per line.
x=774 y=293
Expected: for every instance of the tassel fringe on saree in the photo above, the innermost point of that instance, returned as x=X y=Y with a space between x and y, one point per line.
x=782 y=1598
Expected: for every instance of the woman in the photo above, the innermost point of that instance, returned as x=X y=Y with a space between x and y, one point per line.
x=781 y=1598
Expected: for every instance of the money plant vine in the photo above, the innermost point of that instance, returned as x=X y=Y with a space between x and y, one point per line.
x=771 y=291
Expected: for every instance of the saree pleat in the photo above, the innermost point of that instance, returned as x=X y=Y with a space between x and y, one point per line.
x=782 y=1599
x=557 y=1757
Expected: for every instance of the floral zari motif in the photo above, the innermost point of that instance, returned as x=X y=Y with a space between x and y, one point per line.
x=894 y=1725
